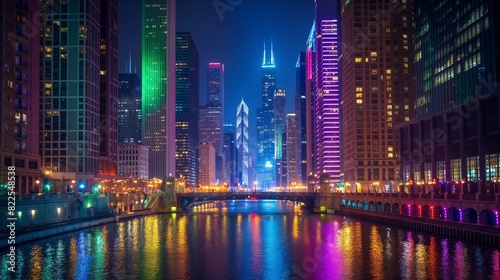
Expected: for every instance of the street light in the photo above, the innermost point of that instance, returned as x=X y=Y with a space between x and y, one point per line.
x=37 y=186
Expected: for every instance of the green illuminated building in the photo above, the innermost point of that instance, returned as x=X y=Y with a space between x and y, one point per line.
x=158 y=85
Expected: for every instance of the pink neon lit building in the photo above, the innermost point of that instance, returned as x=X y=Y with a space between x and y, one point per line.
x=327 y=105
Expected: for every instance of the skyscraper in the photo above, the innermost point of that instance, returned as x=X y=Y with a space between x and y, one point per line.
x=129 y=109
x=230 y=153
x=158 y=85
x=452 y=144
x=186 y=114
x=378 y=91
x=211 y=119
x=292 y=157
x=311 y=101
x=108 y=75
x=19 y=96
x=207 y=164
x=327 y=91
x=242 y=144
x=70 y=118
x=301 y=113
x=215 y=94
x=266 y=169
x=279 y=128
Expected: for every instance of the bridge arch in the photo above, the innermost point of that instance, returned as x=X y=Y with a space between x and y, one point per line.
x=426 y=211
x=380 y=207
x=470 y=216
x=387 y=207
x=415 y=211
x=343 y=202
x=453 y=214
x=371 y=206
x=348 y=203
x=405 y=209
x=365 y=205
x=396 y=208
x=359 y=204
x=439 y=212
x=488 y=217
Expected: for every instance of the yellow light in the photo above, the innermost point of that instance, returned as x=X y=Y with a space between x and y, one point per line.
x=173 y=208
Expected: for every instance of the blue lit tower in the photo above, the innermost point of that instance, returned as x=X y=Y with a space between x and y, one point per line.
x=265 y=125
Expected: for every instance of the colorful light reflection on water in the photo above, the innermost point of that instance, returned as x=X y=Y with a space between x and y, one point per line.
x=251 y=240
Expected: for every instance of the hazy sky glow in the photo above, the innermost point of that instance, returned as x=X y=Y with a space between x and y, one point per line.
x=234 y=37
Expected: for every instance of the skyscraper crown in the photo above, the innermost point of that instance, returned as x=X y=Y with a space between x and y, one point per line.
x=265 y=62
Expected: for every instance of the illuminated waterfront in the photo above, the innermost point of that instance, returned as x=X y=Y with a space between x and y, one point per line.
x=251 y=240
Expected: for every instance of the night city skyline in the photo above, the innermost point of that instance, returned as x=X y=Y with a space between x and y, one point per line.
x=249 y=139
x=236 y=41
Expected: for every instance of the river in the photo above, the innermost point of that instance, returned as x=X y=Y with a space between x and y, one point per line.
x=251 y=240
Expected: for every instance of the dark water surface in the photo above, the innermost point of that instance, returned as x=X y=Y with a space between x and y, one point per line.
x=251 y=240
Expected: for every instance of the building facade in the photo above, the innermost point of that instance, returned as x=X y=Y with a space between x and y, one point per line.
x=300 y=112
x=266 y=166
x=133 y=161
x=108 y=90
x=129 y=109
x=452 y=144
x=70 y=93
x=292 y=146
x=19 y=96
x=242 y=145
x=378 y=87
x=158 y=85
x=311 y=101
x=327 y=89
x=207 y=164
x=186 y=109
x=279 y=128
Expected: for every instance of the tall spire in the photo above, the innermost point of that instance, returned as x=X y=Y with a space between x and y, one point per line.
x=272 y=51
x=264 y=57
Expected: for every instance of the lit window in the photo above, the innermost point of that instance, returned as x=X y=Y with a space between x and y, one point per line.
x=390 y=155
x=359 y=89
x=373 y=54
x=359 y=101
x=407 y=119
x=358 y=59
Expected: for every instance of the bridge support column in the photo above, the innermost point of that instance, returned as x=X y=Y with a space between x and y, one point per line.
x=168 y=200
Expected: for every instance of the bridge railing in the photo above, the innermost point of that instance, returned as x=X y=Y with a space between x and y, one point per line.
x=433 y=196
x=246 y=193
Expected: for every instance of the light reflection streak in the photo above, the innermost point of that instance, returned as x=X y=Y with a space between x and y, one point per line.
x=460 y=267
x=433 y=258
x=151 y=250
x=376 y=254
x=406 y=262
x=421 y=259
x=37 y=262
x=445 y=259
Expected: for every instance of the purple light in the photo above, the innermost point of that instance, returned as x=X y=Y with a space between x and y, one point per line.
x=327 y=109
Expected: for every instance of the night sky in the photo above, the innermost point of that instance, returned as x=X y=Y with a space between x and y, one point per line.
x=236 y=39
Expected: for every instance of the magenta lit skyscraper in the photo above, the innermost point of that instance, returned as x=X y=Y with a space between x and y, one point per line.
x=327 y=90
